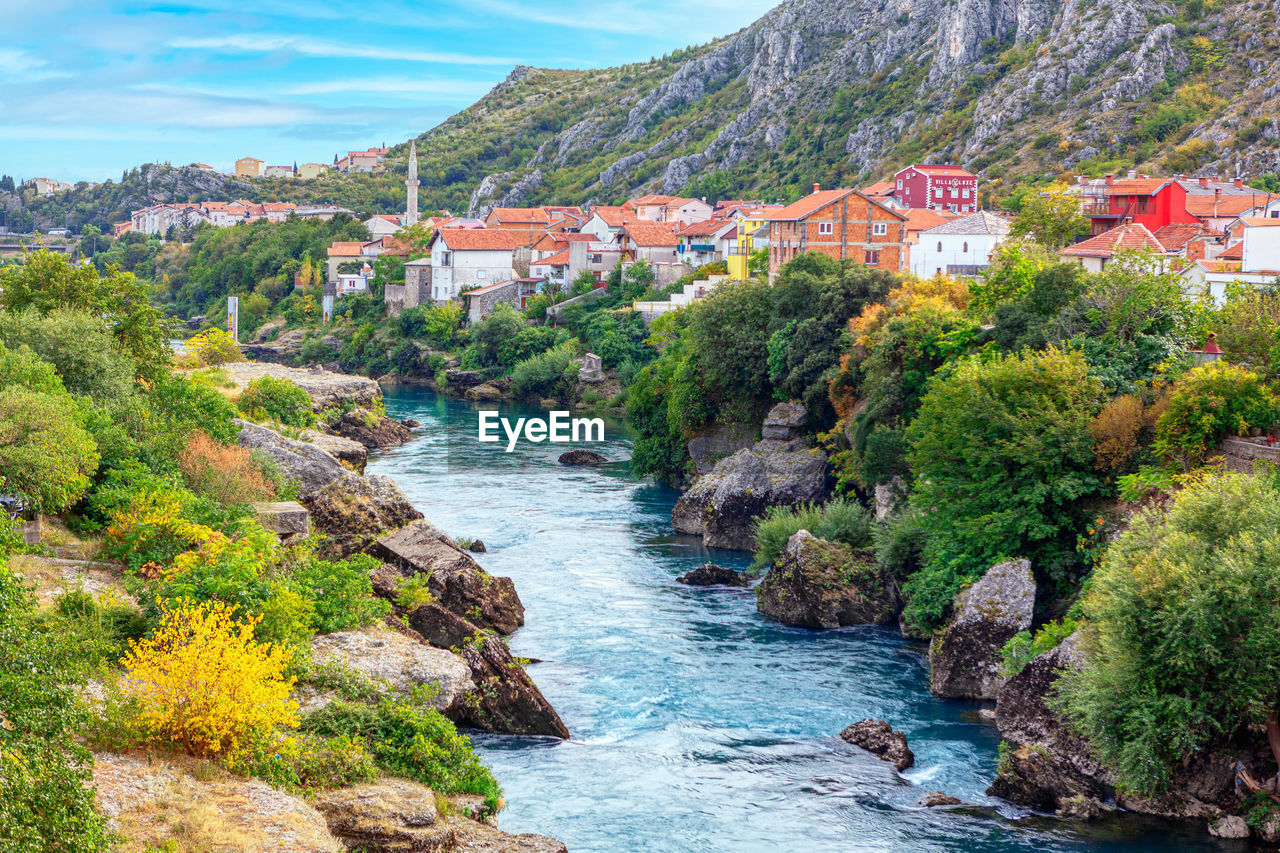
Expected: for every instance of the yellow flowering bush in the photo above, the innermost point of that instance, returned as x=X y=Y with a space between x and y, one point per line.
x=204 y=684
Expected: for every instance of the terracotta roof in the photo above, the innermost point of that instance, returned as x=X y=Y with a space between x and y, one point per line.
x=921 y=218
x=655 y=199
x=341 y=249
x=880 y=188
x=1261 y=221
x=940 y=169
x=532 y=215
x=570 y=211
x=981 y=222
x=552 y=240
x=650 y=234
x=614 y=217
x=1129 y=236
x=1220 y=266
x=705 y=228
x=559 y=259
x=489 y=287
x=1176 y=236
x=1235 y=253
x=477 y=239
x=807 y=205
x=1138 y=186
x=1226 y=205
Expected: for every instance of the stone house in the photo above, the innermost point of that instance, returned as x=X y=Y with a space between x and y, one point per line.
x=464 y=258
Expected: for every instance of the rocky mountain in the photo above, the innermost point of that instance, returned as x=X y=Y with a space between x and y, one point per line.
x=840 y=91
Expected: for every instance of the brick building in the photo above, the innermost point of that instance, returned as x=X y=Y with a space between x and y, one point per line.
x=937 y=188
x=842 y=224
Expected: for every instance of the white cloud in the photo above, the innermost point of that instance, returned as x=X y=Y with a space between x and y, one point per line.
x=20 y=65
x=453 y=89
x=265 y=43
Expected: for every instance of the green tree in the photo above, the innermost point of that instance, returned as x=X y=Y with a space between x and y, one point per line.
x=78 y=344
x=1182 y=632
x=1051 y=217
x=1012 y=274
x=45 y=455
x=1003 y=458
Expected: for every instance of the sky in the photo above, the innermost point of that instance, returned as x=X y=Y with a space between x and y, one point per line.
x=91 y=88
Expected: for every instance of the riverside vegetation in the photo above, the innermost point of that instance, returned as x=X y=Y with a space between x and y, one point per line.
x=198 y=645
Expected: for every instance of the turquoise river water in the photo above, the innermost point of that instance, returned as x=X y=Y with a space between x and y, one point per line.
x=697 y=723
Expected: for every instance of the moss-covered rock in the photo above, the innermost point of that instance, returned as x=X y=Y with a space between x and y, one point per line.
x=820 y=584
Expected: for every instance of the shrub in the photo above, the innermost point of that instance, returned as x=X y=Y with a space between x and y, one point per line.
x=411 y=739
x=1003 y=458
x=341 y=592
x=1116 y=433
x=204 y=684
x=900 y=544
x=214 y=347
x=841 y=520
x=307 y=763
x=46 y=802
x=544 y=374
x=23 y=368
x=1026 y=646
x=80 y=347
x=1182 y=630
x=1209 y=403
x=269 y=398
x=225 y=473
x=44 y=454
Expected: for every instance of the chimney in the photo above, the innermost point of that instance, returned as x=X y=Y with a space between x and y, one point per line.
x=1111 y=179
x=817 y=187
x=1204 y=182
x=1217 y=194
x=1133 y=173
x=1238 y=182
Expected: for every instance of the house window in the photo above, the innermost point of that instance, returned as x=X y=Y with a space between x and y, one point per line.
x=879 y=229
x=872 y=258
x=826 y=227
x=966 y=245
x=899 y=184
x=445 y=258
x=939 y=245
x=964 y=193
x=482 y=273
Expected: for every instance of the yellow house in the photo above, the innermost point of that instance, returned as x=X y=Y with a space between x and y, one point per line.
x=750 y=220
x=250 y=167
x=312 y=170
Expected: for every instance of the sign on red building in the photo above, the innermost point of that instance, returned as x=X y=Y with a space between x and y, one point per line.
x=930 y=187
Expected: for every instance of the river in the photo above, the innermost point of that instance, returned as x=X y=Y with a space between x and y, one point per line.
x=697 y=723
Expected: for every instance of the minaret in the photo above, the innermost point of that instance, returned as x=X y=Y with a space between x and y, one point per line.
x=411 y=186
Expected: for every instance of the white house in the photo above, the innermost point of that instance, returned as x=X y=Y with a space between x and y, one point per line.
x=383 y=225
x=1261 y=250
x=707 y=241
x=606 y=222
x=1095 y=253
x=962 y=246
x=464 y=258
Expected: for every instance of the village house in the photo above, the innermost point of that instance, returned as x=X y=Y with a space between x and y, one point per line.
x=936 y=187
x=307 y=171
x=323 y=212
x=480 y=302
x=606 y=222
x=369 y=160
x=707 y=241
x=350 y=252
x=671 y=209
x=565 y=218
x=962 y=246
x=45 y=186
x=557 y=241
x=752 y=235
x=250 y=167
x=1096 y=252
x=278 y=171
x=842 y=224
x=524 y=224
x=1149 y=202
x=383 y=224
x=564 y=267
x=649 y=241
x=1254 y=260
x=464 y=258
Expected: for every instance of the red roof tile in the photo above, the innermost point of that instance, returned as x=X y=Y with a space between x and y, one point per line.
x=522 y=215
x=808 y=205
x=559 y=259
x=941 y=169
x=1137 y=186
x=1176 y=236
x=614 y=217
x=1235 y=253
x=1130 y=236
x=477 y=239
x=705 y=228
x=1226 y=205
x=340 y=249
x=650 y=234
x=1261 y=221
x=919 y=218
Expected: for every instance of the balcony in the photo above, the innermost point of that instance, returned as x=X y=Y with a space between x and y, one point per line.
x=1094 y=209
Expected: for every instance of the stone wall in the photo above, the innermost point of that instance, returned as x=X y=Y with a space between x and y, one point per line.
x=479 y=305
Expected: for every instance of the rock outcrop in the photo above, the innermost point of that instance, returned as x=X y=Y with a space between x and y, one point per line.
x=353 y=454
x=582 y=458
x=964 y=658
x=711 y=445
x=722 y=506
x=352 y=511
x=325 y=388
x=505 y=699
x=397 y=661
x=713 y=575
x=286 y=519
x=369 y=430
x=820 y=584
x=784 y=421
x=453 y=576
x=881 y=740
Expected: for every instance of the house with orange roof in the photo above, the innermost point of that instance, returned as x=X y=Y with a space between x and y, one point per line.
x=935 y=187
x=250 y=167
x=1191 y=240
x=707 y=241
x=1254 y=260
x=466 y=258
x=350 y=252
x=384 y=224
x=671 y=209
x=556 y=241
x=654 y=242
x=606 y=222
x=1096 y=252
x=843 y=224
x=525 y=224
x=1150 y=202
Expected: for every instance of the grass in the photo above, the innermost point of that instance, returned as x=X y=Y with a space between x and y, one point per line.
x=841 y=520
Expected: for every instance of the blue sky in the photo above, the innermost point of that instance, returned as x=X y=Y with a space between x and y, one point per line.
x=92 y=88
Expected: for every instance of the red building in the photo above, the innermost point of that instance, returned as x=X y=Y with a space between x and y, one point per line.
x=937 y=188
x=1150 y=202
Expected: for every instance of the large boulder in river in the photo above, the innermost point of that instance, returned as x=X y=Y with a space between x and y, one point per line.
x=820 y=584
x=723 y=505
x=880 y=739
x=713 y=575
x=581 y=457
x=505 y=700
x=964 y=658
x=453 y=576
x=326 y=388
x=353 y=454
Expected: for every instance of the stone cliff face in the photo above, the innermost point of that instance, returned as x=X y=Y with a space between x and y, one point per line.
x=850 y=90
